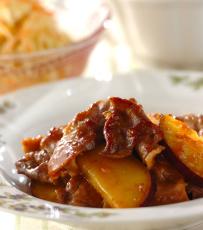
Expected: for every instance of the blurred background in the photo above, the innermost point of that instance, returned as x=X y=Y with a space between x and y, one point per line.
x=48 y=40
x=96 y=38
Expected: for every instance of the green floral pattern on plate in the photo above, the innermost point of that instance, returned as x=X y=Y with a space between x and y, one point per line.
x=194 y=83
x=5 y=106
x=14 y=200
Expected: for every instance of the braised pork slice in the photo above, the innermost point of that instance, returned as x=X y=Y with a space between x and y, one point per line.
x=119 y=123
x=170 y=184
x=194 y=191
x=127 y=127
x=81 y=193
x=82 y=134
x=34 y=165
x=37 y=151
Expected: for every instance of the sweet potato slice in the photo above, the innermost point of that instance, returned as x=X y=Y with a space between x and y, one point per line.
x=186 y=148
x=123 y=183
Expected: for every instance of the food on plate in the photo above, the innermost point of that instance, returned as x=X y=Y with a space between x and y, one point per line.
x=112 y=178
x=170 y=184
x=185 y=148
x=113 y=155
x=27 y=26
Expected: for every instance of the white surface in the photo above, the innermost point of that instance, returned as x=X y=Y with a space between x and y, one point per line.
x=164 y=33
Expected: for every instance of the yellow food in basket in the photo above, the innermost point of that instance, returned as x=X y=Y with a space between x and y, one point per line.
x=26 y=26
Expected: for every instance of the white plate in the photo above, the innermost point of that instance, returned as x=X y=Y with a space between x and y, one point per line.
x=35 y=110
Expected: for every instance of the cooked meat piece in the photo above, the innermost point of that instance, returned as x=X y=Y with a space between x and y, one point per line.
x=73 y=183
x=171 y=187
x=34 y=165
x=194 y=122
x=194 y=191
x=121 y=123
x=31 y=144
x=128 y=127
x=78 y=192
x=37 y=154
x=61 y=195
x=81 y=135
x=81 y=193
x=115 y=132
x=49 y=142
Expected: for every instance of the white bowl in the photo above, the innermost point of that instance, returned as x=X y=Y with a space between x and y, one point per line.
x=165 y=33
x=35 y=110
